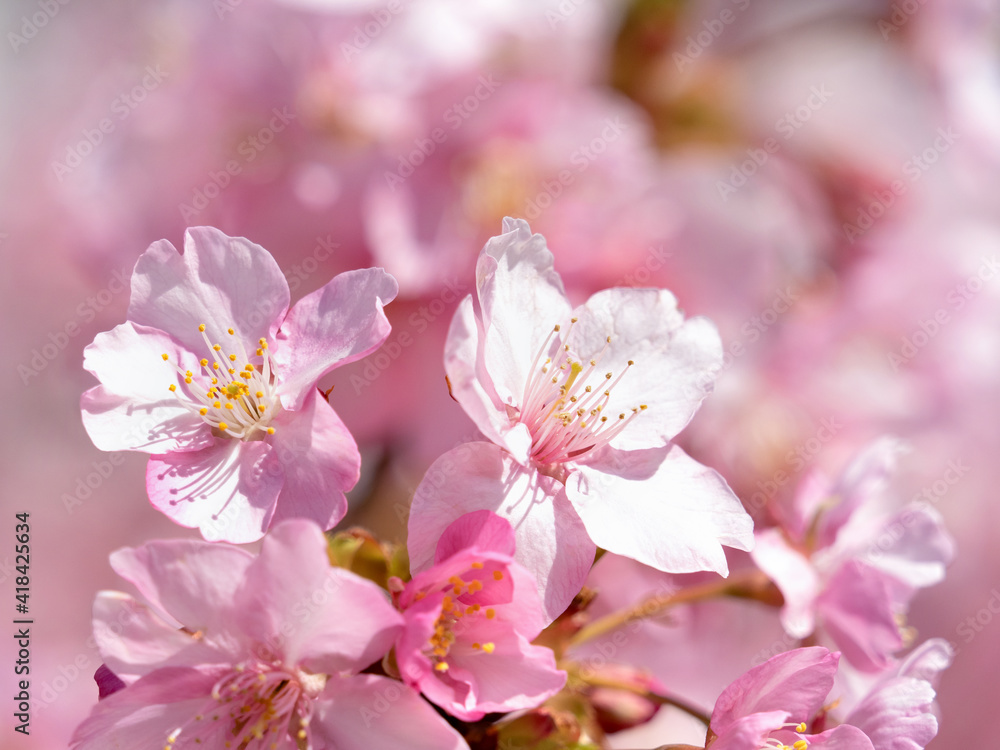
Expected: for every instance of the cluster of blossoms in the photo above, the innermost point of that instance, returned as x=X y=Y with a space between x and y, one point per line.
x=477 y=634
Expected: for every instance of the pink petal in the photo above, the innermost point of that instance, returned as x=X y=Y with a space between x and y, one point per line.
x=861 y=482
x=748 y=732
x=227 y=491
x=551 y=541
x=338 y=323
x=794 y=575
x=927 y=661
x=516 y=675
x=107 y=681
x=325 y=619
x=133 y=641
x=190 y=582
x=676 y=360
x=320 y=462
x=480 y=529
x=219 y=281
x=914 y=548
x=857 y=611
x=133 y=408
x=898 y=715
x=367 y=712
x=844 y=737
x=471 y=385
x=660 y=507
x=521 y=298
x=795 y=683
x=144 y=714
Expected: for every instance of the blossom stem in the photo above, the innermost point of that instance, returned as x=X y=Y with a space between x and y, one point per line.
x=662 y=700
x=752 y=584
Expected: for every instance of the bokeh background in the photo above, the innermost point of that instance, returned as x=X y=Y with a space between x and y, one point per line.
x=822 y=179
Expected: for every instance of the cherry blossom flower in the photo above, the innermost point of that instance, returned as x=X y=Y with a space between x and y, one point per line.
x=580 y=406
x=215 y=377
x=470 y=619
x=774 y=706
x=843 y=560
x=260 y=653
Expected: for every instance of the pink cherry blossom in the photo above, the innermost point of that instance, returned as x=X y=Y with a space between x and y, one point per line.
x=774 y=705
x=251 y=652
x=580 y=406
x=470 y=619
x=849 y=563
x=215 y=377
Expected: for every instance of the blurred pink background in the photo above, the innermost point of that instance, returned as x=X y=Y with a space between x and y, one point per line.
x=820 y=179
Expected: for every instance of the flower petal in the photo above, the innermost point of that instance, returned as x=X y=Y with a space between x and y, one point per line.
x=844 y=737
x=676 y=360
x=915 y=547
x=794 y=682
x=898 y=715
x=794 y=575
x=857 y=611
x=325 y=619
x=133 y=641
x=748 y=732
x=521 y=298
x=660 y=507
x=219 y=281
x=227 y=491
x=192 y=583
x=551 y=541
x=480 y=529
x=338 y=323
x=367 y=712
x=470 y=384
x=133 y=408
x=320 y=461
x=144 y=714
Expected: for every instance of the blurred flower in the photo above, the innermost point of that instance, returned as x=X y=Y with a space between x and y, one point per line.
x=842 y=560
x=581 y=432
x=266 y=654
x=470 y=619
x=244 y=440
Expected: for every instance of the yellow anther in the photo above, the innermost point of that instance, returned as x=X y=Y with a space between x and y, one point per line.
x=477 y=565
x=217 y=405
x=800 y=744
x=475 y=586
x=215 y=366
x=204 y=363
x=476 y=646
x=203 y=411
x=165 y=357
x=231 y=332
x=497 y=575
x=172 y=387
x=419 y=595
x=232 y=357
x=217 y=348
x=270 y=430
x=202 y=328
x=248 y=368
x=187 y=380
x=490 y=613
x=488 y=648
x=801 y=728
x=441 y=666
x=556 y=328
x=223 y=426
x=446 y=604
x=260 y=352
x=229 y=406
x=262 y=407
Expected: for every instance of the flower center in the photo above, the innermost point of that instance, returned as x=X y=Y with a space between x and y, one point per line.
x=565 y=399
x=253 y=708
x=233 y=395
x=464 y=600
